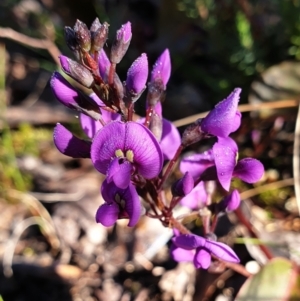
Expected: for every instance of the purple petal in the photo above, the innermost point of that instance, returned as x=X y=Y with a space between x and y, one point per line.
x=224 y=118
x=230 y=202
x=132 y=205
x=148 y=158
x=70 y=145
x=104 y=64
x=189 y=241
x=249 y=170
x=105 y=143
x=225 y=151
x=170 y=139
x=181 y=255
x=202 y=259
x=91 y=126
x=183 y=186
x=158 y=108
x=196 y=199
x=222 y=251
x=162 y=68
x=137 y=75
x=124 y=32
x=107 y=214
x=119 y=173
x=64 y=91
x=197 y=164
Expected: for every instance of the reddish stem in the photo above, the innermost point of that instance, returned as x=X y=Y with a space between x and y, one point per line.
x=111 y=74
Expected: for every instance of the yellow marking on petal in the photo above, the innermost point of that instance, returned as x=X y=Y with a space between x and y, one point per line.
x=119 y=153
x=129 y=156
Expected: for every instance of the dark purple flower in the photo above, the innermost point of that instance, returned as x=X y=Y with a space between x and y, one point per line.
x=119 y=203
x=91 y=126
x=137 y=75
x=70 y=145
x=190 y=247
x=183 y=186
x=162 y=68
x=120 y=150
x=224 y=118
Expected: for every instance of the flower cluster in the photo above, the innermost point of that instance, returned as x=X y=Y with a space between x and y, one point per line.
x=132 y=151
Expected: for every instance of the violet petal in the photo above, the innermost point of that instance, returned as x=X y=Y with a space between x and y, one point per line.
x=183 y=186
x=107 y=214
x=119 y=173
x=181 y=255
x=196 y=199
x=188 y=241
x=132 y=205
x=137 y=75
x=249 y=170
x=225 y=151
x=224 y=118
x=147 y=155
x=104 y=64
x=170 y=140
x=222 y=251
x=230 y=202
x=202 y=259
x=197 y=164
x=162 y=68
x=70 y=145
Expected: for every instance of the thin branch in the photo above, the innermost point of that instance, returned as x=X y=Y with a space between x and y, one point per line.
x=46 y=44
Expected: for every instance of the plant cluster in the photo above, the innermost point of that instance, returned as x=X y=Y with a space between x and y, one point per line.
x=138 y=156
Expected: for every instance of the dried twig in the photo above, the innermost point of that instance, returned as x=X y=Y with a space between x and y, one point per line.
x=46 y=44
x=296 y=160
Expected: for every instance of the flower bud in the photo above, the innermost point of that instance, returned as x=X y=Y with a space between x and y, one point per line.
x=104 y=64
x=137 y=76
x=77 y=71
x=183 y=186
x=72 y=98
x=156 y=126
x=121 y=43
x=99 y=34
x=83 y=35
x=71 y=40
x=162 y=68
x=192 y=134
x=155 y=92
x=230 y=202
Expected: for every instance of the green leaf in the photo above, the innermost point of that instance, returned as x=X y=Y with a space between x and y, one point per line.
x=277 y=280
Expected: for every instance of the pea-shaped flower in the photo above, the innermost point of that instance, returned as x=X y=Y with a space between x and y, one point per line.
x=121 y=150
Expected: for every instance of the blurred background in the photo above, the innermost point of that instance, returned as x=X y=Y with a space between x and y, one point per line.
x=50 y=246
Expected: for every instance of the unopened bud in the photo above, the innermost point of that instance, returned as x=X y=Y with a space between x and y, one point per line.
x=156 y=126
x=183 y=186
x=121 y=43
x=71 y=40
x=78 y=72
x=83 y=35
x=155 y=92
x=162 y=68
x=99 y=34
x=192 y=134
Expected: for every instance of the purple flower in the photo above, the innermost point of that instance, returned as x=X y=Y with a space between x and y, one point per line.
x=119 y=203
x=190 y=247
x=196 y=199
x=224 y=118
x=104 y=64
x=162 y=68
x=183 y=186
x=70 y=145
x=137 y=75
x=121 y=150
x=91 y=126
